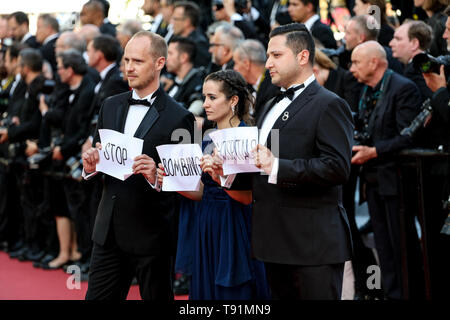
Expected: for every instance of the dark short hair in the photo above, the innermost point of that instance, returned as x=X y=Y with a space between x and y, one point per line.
x=50 y=20
x=422 y=32
x=32 y=58
x=15 y=48
x=73 y=59
x=315 y=4
x=185 y=45
x=191 y=11
x=108 y=45
x=20 y=17
x=298 y=38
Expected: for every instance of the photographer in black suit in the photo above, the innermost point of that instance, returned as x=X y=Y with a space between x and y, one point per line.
x=25 y=126
x=388 y=104
x=69 y=121
x=134 y=227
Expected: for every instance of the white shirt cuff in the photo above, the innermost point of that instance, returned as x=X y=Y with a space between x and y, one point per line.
x=87 y=176
x=274 y=173
x=227 y=181
x=156 y=185
x=236 y=17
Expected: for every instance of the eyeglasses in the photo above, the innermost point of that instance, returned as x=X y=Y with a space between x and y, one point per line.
x=216 y=44
x=178 y=18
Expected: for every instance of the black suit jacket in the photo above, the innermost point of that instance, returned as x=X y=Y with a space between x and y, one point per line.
x=202 y=55
x=29 y=114
x=141 y=218
x=48 y=53
x=301 y=220
x=323 y=33
x=416 y=76
x=32 y=42
x=111 y=85
x=398 y=107
x=266 y=91
x=108 y=28
x=75 y=122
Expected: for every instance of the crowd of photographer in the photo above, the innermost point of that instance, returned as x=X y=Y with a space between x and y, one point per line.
x=394 y=80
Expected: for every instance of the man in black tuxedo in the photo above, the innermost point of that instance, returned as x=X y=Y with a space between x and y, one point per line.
x=300 y=228
x=305 y=11
x=46 y=34
x=388 y=104
x=19 y=25
x=133 y=233
x=249 y=59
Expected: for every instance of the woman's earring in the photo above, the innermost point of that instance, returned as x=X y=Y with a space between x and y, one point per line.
x=233 y=109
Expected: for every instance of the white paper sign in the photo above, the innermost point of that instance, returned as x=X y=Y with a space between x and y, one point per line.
x=118 y=152
x=181 y=165
x=234 y=145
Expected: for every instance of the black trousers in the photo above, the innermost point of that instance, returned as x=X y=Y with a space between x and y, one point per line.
x=397 y=245
x=291 y=282
x=112 y=271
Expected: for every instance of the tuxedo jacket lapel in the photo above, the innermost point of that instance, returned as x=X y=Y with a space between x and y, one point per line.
x=122 y=112
x=296 y=105
x=152 y=115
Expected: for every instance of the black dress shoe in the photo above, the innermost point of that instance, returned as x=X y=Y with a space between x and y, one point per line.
x=16 y=246
x=4 y=246
x=20 y=252
x=32 y=256
x=45 y=260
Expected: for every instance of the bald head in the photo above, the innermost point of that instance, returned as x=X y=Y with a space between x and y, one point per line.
x=89 y=32
x=371 y=49
x=369 y=63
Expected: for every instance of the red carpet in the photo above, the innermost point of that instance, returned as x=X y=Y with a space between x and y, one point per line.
x=21 y=281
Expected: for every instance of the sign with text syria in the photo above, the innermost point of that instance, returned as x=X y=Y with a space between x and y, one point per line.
x=117 y=153
x=234 y=145
x=181 y=165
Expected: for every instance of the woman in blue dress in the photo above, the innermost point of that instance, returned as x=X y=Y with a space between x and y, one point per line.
x=221 y=265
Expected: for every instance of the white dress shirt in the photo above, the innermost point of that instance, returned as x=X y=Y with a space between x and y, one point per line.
x=309 y=23
x=103 y=74
x=135 y=115
x=272 y=117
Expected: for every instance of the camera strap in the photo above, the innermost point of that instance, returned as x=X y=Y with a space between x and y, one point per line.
x=378 y=96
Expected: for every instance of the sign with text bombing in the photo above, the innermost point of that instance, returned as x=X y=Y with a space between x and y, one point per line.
x=181 y=165
x=234 y=145
x=118 y=152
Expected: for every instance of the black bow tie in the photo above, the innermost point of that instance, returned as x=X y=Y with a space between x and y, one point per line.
x=289 y=93
x=143 y=102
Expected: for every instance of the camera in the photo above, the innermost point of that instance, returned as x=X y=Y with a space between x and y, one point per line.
x=75 y=167
x=239 y=5
x=38 y=160
x=47 y=88
x=361 y=138
x=419 y=120
x=426 y=63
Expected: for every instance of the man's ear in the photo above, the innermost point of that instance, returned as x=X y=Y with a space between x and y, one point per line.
x=303 y=57
x=415 y=44
x=160 y=63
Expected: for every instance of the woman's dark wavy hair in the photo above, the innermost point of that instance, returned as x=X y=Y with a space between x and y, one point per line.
x=233 y=84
